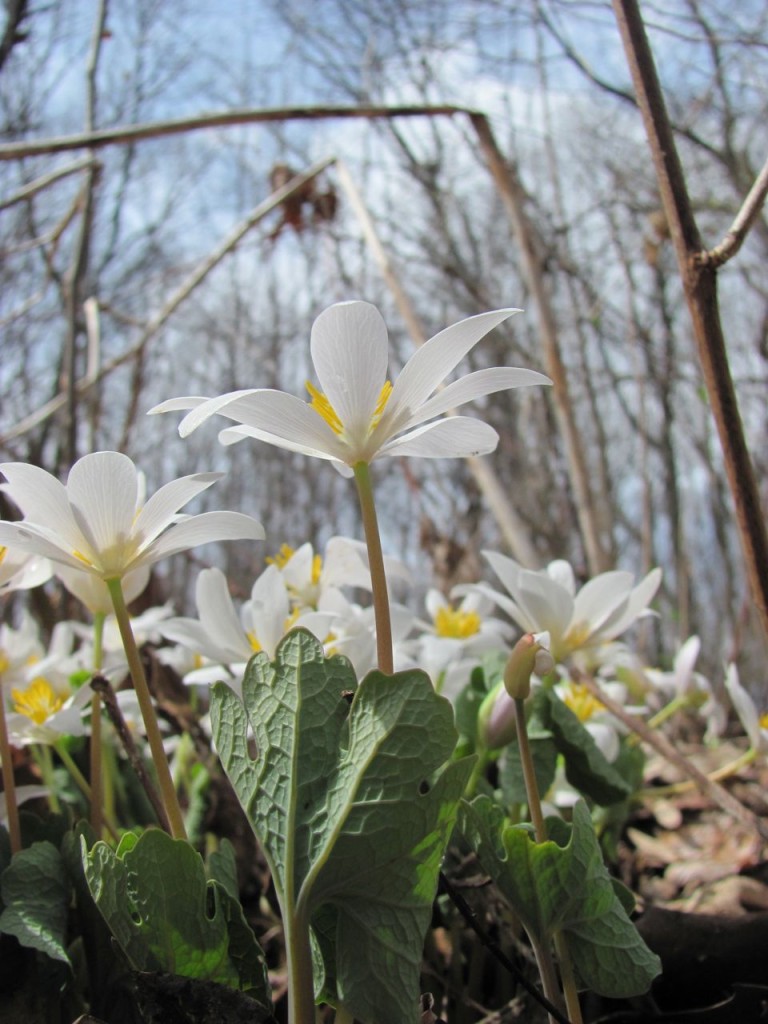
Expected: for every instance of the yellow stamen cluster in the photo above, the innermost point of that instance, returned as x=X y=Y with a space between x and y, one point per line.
x=763 y=720
x=253 y=641
x=323 y=408
x=454 y=622
x=3 y=552
x=283 y=556
x=38 y=702
x=317 y=568
x=581 y=702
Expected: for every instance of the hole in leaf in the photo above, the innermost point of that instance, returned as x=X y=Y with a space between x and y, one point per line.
x=424 y=787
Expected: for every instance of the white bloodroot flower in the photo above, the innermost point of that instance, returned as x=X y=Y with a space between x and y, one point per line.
x=96 y=523
x=356 y=415
x=221 y=638
x=547 y=600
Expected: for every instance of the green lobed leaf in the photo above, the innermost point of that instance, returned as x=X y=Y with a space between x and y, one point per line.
x=166 y=916
x=586 y=767
x=353 y=805
x=36 y=894
x=553 y=886
x=511 y=779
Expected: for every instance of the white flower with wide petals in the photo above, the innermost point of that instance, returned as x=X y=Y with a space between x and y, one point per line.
x=356 y=415
x=41 y=715
x=455 y=638
x=96 y=523
x=547 y=600
x=227 y=640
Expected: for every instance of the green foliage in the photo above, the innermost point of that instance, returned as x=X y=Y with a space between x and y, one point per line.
x=354 y=805
x=36 y=894
x=166 y=916
x=481 y=681
x=586 y=767
x=565 y=885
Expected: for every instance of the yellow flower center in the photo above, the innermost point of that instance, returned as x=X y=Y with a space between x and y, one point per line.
x=763 y=720
x=38 y=702
x=581 y=702
x=323 y=408
x=3 y=552
x=454 y=622
x=4 y=662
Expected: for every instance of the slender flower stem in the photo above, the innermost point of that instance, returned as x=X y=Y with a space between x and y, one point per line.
x=82 y=784
x=140 y=685
x=45 y=762
x=376 y=563
x=542 y=951
x=9 y=783
x=96 y=772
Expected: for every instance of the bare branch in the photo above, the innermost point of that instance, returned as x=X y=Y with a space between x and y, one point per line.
x=45 y=180
x=738 y=231
x=220 y=119
x=196 y=277
x=700 y=286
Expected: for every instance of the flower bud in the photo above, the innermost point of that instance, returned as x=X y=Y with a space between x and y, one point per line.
x=530 y=654
x=496 y=719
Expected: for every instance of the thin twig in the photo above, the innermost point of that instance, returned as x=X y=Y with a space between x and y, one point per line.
x=498 y=954
x=738 y=231
x=27 y=191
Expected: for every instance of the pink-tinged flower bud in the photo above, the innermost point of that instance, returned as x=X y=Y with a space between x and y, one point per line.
x=530 y=654
x=496 y=719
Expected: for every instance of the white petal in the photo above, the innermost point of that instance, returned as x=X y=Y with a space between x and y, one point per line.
x=178 y=404
x=285 y=421
x=433 y=361
x=453 y=438
x=203 y=529
x=637 y=603
x=546 y=603
x=507 y=569
x=161 y=508
x=39 y=541
x=519 y=614
x=202 y=411
x=745 y=708
x=600 y=597
x=562 y=572
x=349 y=348
x=43 y=499
x=218 y=615
x=103 y=489
x=474 y=385
x=233 y=435
x=685 y=660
